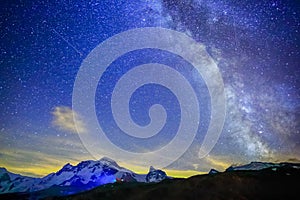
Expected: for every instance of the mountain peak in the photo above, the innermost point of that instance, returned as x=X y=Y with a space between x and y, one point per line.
x=67 y=166
x=3 y=170
x=152 y=169
x=155 y=175
x=213 y=171
x=109 y=161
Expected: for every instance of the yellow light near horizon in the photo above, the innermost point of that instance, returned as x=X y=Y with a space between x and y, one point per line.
x=32 y=171
x=41 y=171
x=183 y=173
x=170 y=172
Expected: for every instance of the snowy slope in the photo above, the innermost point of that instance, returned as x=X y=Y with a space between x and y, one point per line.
x=85 y=175
x=155 y=175
x=260 y=166
x=10 y=182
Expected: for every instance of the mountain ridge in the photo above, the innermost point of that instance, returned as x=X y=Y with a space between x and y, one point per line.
x=275 y=181
x=86 y=175
x=90 y=174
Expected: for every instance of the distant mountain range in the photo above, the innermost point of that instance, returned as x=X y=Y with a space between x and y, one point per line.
x=263 y=165
x=84 y=176
x=90 y=174
x=252 y=181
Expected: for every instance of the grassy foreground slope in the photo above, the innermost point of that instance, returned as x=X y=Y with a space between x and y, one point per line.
x=264 y=184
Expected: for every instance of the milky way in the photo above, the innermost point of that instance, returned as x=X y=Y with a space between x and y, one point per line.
x=255 y=44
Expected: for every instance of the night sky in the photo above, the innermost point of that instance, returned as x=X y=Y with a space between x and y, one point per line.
x=255 y=45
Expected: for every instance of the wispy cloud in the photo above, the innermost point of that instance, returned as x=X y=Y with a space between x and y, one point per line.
x=217 y=162
x=63 y=118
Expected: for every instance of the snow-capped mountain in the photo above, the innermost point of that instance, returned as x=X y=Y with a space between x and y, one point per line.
x=87 y=173
x=213 y=171
x=10 y=182
x=155 y=175
x=261 y=165
x=84 y=176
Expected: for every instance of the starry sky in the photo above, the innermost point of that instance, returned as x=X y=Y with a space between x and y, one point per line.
x=255 y=45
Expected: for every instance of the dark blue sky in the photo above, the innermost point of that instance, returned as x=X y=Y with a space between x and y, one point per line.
x=254 y=43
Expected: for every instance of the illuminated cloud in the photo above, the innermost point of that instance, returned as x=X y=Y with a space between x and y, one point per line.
x=63 y=119
x=217 y=162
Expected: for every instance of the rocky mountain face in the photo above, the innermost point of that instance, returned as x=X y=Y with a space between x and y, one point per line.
x=10 y=182
x=155 y=175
